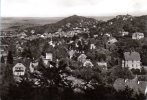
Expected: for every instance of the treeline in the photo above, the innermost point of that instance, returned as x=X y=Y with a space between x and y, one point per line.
x=26 y=92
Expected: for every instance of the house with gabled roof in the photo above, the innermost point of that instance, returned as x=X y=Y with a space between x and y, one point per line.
x=112 y=40
x=47 y=58
x=102 y=65
x=19 y=69
x=137 y=35
x=88 y=63
x=131 y=60
x=82 y=58
x=33 y=66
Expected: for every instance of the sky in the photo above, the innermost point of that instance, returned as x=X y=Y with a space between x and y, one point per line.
x=62 y=8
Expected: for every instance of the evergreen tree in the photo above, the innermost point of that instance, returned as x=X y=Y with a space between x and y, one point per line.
x=10 y=58
x=2 y=59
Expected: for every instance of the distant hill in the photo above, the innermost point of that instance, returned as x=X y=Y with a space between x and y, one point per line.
x=66 y=24
x=112 y=25
x=13 y=23
x=124 y=23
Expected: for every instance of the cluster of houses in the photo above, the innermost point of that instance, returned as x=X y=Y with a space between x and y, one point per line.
x=132 y=60
x=59 y=33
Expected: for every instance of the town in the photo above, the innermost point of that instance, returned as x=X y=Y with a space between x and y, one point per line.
x=76 y=58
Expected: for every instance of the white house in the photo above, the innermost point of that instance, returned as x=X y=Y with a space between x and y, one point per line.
x=22 y=35
x=82 y=58
x=92 y=46
x=32 y=66
x=131 y=60
x=19 y=69
x=71 y=53
x=32 y=31
x=137 y=35
x=108 y=35
x=112 y=40
x=42 y=36
x=88 y=63
x=125 y=33
x=103 y=65
x=48 y=57
x=51 y=43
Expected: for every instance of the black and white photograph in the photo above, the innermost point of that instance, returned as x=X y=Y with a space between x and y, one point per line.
x=73 y=49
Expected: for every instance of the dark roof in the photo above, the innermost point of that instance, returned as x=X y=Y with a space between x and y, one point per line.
x=132 y=56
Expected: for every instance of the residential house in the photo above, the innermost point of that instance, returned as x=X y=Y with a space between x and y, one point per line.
x=125 y=33
x=92 y=43
x=131 y=60
x=103 y=65
x=51 y=43
x=108 y=35
x=137 y=35
x=71 y=53
x=42 y=36
x=19 y=69
x=33 y=66
x=22 y=35
x=95 y=36
x=112 y=40
x=82 y=58
x=32 y=31
x=48 y=57
x=88 y=63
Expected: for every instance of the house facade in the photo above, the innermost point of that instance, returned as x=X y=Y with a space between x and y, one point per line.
x=131 y=60
x=112 y=40
x=103 y=65
x=137 y=36
x=48 y=57
x=88 y=63
x=19 y=69
x=82 y=58
x=33 y=66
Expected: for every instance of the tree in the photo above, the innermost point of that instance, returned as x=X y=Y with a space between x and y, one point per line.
x=136 y=71
x=126 y=94
x=10 y=58
x=2 y=59
x=119 y=72
x=144 y=54
x=27 y=53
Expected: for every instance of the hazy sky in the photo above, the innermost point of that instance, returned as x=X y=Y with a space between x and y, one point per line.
x=55 y=8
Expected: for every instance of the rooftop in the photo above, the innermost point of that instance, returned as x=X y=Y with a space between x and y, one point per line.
x=132 y=56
